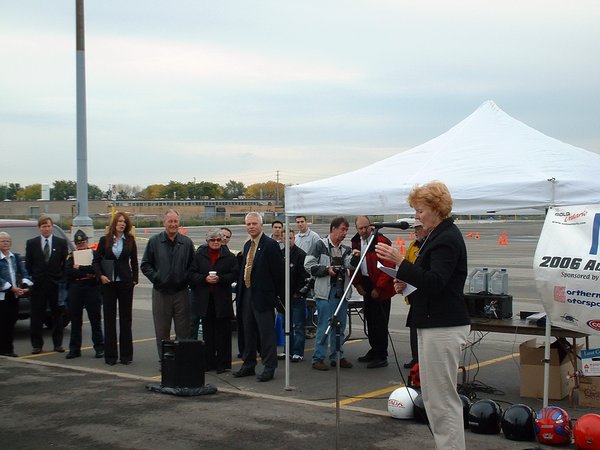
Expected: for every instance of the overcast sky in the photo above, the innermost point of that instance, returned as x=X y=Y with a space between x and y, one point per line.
x=240 y=89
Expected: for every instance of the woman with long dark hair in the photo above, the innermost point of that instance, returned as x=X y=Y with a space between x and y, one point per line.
x=116 y=265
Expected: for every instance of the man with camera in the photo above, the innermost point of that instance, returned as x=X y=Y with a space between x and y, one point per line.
x=328 y=261
x=305 y=239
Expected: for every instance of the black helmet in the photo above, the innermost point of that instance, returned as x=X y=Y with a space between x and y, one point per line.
x=518 y=423
x=419 y=409
x=466 y=407
x=485 y=417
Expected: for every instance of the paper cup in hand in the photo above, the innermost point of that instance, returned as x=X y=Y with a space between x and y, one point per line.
x=212 y=273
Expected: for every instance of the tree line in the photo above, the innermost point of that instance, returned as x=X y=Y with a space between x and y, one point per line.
x=174 y=190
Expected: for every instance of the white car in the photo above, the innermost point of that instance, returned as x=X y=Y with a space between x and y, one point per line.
x=20 y=231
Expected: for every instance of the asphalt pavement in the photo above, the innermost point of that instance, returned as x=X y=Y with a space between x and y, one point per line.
x=50 y=402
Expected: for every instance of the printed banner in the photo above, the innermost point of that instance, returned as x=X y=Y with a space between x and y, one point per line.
x=567 y=267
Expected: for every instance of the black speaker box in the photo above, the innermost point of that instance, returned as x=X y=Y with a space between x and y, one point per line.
x=182 y=364
x=489 y=305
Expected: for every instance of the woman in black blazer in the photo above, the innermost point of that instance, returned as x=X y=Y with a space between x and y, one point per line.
x=438 y=309
x=116 y=265
x=213 y=270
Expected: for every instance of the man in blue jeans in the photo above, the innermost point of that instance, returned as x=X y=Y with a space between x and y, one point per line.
x=328 y=261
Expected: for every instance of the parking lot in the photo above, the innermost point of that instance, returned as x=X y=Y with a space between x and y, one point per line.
x=83 y=403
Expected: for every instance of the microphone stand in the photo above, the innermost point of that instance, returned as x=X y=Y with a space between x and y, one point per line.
x=335 y=322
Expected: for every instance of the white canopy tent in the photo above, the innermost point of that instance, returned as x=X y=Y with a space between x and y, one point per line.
x=489 y=161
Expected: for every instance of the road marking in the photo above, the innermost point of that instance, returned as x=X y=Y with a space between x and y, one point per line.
x=387 y=390
x=237 y=391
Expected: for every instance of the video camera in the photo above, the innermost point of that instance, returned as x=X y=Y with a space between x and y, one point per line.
x=340 y=275
x=309 y=284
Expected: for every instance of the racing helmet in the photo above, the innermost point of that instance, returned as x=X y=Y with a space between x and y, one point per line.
x=553 y=426
x=414 y=376
x=518 y=423
x=400 y=403
x=586 y=432
x=466 y=406
x=485 y=417
x=419 y=410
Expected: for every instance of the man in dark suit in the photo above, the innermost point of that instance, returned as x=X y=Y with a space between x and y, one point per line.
x=45 y=258
x=261 y=288
x=377 y=289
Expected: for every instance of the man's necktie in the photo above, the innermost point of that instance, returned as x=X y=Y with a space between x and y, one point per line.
x=46 y=251
x=249 y=261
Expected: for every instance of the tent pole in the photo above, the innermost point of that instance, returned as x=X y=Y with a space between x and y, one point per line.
x=548 y=323
x=547 y=361
x=287 y=304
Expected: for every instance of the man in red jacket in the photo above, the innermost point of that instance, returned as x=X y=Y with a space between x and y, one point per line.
x=377 y=289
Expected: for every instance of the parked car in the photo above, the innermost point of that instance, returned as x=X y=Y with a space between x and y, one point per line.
x=20 y=231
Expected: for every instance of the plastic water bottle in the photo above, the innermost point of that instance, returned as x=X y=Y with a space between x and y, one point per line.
x=200 y=331
x=279 y=329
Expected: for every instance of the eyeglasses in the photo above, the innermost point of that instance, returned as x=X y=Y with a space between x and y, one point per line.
x=215 y=240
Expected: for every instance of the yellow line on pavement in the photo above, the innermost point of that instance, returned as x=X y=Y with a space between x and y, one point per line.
x=387 y=390
x=37 y=355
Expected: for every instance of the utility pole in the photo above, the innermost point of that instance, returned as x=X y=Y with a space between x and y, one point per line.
x=82 y=220
x=277 y=190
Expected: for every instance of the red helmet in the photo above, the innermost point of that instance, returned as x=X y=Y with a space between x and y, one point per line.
x=553 y=426
x=587 y=432
x=414 y=376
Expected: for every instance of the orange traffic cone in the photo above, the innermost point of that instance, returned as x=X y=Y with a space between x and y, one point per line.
x=398 y=241
x=182 y=230
x=145 y=230
x=402 y=251
x=470 y=235
x=476 y=235
x=411 y=236
x=503 y=239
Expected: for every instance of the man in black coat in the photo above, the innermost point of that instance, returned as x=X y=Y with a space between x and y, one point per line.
x=166 y=263
x=261 y=288
x=298 y=291
x=45 y=258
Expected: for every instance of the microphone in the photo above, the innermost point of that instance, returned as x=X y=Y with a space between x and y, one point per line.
x=401 y=225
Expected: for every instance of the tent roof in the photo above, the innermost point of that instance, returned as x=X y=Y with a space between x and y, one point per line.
x=489 y=161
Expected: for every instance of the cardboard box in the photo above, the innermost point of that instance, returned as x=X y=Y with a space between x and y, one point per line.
x=532 y=370
x=589 y=391
x=590 y=362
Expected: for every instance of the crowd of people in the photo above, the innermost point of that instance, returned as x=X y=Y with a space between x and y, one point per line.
x=193 y=286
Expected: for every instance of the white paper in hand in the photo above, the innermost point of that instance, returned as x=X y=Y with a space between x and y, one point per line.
x=83 y=257
x=392 y=271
